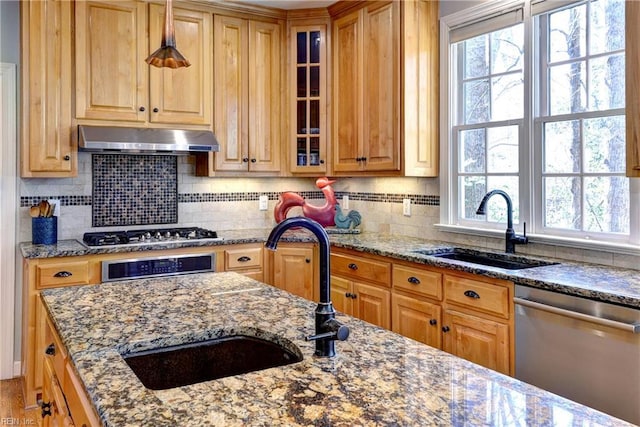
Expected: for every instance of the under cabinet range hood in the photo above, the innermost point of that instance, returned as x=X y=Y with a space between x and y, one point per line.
x=106 y=139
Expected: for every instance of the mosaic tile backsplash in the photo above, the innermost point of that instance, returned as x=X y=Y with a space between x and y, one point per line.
x=134 y=190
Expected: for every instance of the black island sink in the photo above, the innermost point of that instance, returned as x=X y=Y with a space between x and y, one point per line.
x=489 y=259
x=177 y=366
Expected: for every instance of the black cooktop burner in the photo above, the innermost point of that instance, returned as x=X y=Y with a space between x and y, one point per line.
x=156 y=235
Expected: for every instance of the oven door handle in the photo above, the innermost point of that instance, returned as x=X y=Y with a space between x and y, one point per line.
x=628 y=327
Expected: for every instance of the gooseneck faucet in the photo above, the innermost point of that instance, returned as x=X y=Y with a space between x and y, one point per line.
x=511 y=238
x=328 y=329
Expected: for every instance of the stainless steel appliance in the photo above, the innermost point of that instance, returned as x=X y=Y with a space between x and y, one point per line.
x=584 y=350
x=149 y=236
x=155 y=266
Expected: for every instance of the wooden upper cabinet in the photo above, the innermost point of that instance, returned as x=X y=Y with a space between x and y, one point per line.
x=111 y=75
x=182 y=95
x=113 y=81
x=366 y=73
x=48 y=146
x=248 y=97
x=632 y=97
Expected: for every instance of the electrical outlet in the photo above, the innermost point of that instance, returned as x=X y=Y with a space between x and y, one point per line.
x=345 y=202
x=263 y=203
x=406 y=207
x=56 y=206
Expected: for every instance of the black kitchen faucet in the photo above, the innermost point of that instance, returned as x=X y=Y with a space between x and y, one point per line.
x=328 y=329
x=511 y=238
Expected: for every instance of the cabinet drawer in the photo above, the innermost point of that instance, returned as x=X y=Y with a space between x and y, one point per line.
x=362 y=268
x=54 y=352
x=59 y=274
x=483 y=296
x=78 y=403
x=240 y=259
x=422 y=282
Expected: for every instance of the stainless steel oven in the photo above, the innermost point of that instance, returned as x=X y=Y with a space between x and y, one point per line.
x=155 y=266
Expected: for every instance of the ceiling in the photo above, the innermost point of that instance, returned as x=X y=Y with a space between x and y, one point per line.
x=290 y=4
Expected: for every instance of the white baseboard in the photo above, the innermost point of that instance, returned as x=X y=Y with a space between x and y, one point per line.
x=17 y=369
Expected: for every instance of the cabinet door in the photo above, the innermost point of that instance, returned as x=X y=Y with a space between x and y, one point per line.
x=48 y=148
x=265 y=96
x=347 y=94
x=381 y=79
x=416 y=319
x=341 y=295
x=231 y=91
x=372 y=304
x=111 y=74
x=293 y=271
x=182 y=95
x=632 y=77
x=479 y=340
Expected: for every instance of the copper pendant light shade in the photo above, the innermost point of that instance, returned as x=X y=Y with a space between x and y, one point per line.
x=167 y=55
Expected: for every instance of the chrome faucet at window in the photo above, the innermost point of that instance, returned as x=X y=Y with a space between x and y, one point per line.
x=328 y=329
x=511 y=238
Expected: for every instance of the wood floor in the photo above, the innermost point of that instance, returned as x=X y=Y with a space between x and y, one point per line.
x=12 y=410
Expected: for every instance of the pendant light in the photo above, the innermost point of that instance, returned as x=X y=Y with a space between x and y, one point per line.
x=167 y=55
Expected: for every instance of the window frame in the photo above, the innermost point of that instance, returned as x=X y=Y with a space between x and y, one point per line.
x=530 y=172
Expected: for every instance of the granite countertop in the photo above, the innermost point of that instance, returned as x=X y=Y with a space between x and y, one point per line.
x=377 y=378
x=603 y=283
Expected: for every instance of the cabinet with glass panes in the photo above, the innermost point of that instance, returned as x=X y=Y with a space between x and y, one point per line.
x=308 y=104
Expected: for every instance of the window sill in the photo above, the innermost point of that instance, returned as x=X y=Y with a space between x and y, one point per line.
x=618 y=248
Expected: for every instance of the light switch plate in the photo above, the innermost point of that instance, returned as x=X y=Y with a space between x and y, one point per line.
x=345 y=202
x=263 y=203
x=406 y=207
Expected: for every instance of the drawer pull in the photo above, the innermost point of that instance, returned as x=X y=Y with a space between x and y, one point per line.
x=50 y=350
x=433 y=322
x=63 y=274
x=46 y=409
x=413 y=280
x=471 y=294
x=353 y=266
x=244 y=259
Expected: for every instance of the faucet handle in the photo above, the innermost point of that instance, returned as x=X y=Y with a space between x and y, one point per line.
x=334 y=331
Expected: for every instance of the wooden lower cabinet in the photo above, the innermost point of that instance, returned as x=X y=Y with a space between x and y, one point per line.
x=295 y=270
x=64 y=402
x=482 y=341
x=417 y=319
x=367 y=302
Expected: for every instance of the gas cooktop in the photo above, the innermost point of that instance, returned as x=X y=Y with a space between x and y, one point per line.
x=148 y=236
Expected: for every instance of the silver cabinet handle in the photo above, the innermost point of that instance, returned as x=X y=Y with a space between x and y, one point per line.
x=629 y=327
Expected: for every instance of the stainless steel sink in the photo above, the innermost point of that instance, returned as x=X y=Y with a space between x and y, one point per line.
x=490 y=259
x=176 y=366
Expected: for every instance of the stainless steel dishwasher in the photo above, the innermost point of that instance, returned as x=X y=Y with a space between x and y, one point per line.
x=584 y=350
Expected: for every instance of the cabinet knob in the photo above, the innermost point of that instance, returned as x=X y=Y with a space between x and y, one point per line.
x=322 y=162
x=253 y=160
x=413 y=280
x=445 y=329
x=50 y=350
x=155 y=110
x=244 y=259
x=245 y=159
x=433 y=322
x=471 y=294
x=352 y=266
x=307 y=260
x=67 y=157
x=63 y=274
x=141 y=108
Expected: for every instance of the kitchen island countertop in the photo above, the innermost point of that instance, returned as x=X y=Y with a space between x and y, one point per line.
x=377 y=378
x=599 y=282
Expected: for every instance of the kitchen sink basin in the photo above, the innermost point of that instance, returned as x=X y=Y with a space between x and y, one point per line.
x=176 y=366
x=490 y=259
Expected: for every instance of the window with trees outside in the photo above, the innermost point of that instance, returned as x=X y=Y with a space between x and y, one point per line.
x=536 y=97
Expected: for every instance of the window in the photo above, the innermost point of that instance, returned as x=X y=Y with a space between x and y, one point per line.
x=536 y=108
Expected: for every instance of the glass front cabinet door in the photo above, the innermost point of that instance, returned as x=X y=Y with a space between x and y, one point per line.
x=308 y=106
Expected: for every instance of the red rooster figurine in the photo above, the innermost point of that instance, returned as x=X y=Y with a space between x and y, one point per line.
x=324 y=214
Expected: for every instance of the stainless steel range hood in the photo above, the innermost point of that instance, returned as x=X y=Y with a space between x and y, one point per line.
x=105 y=139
